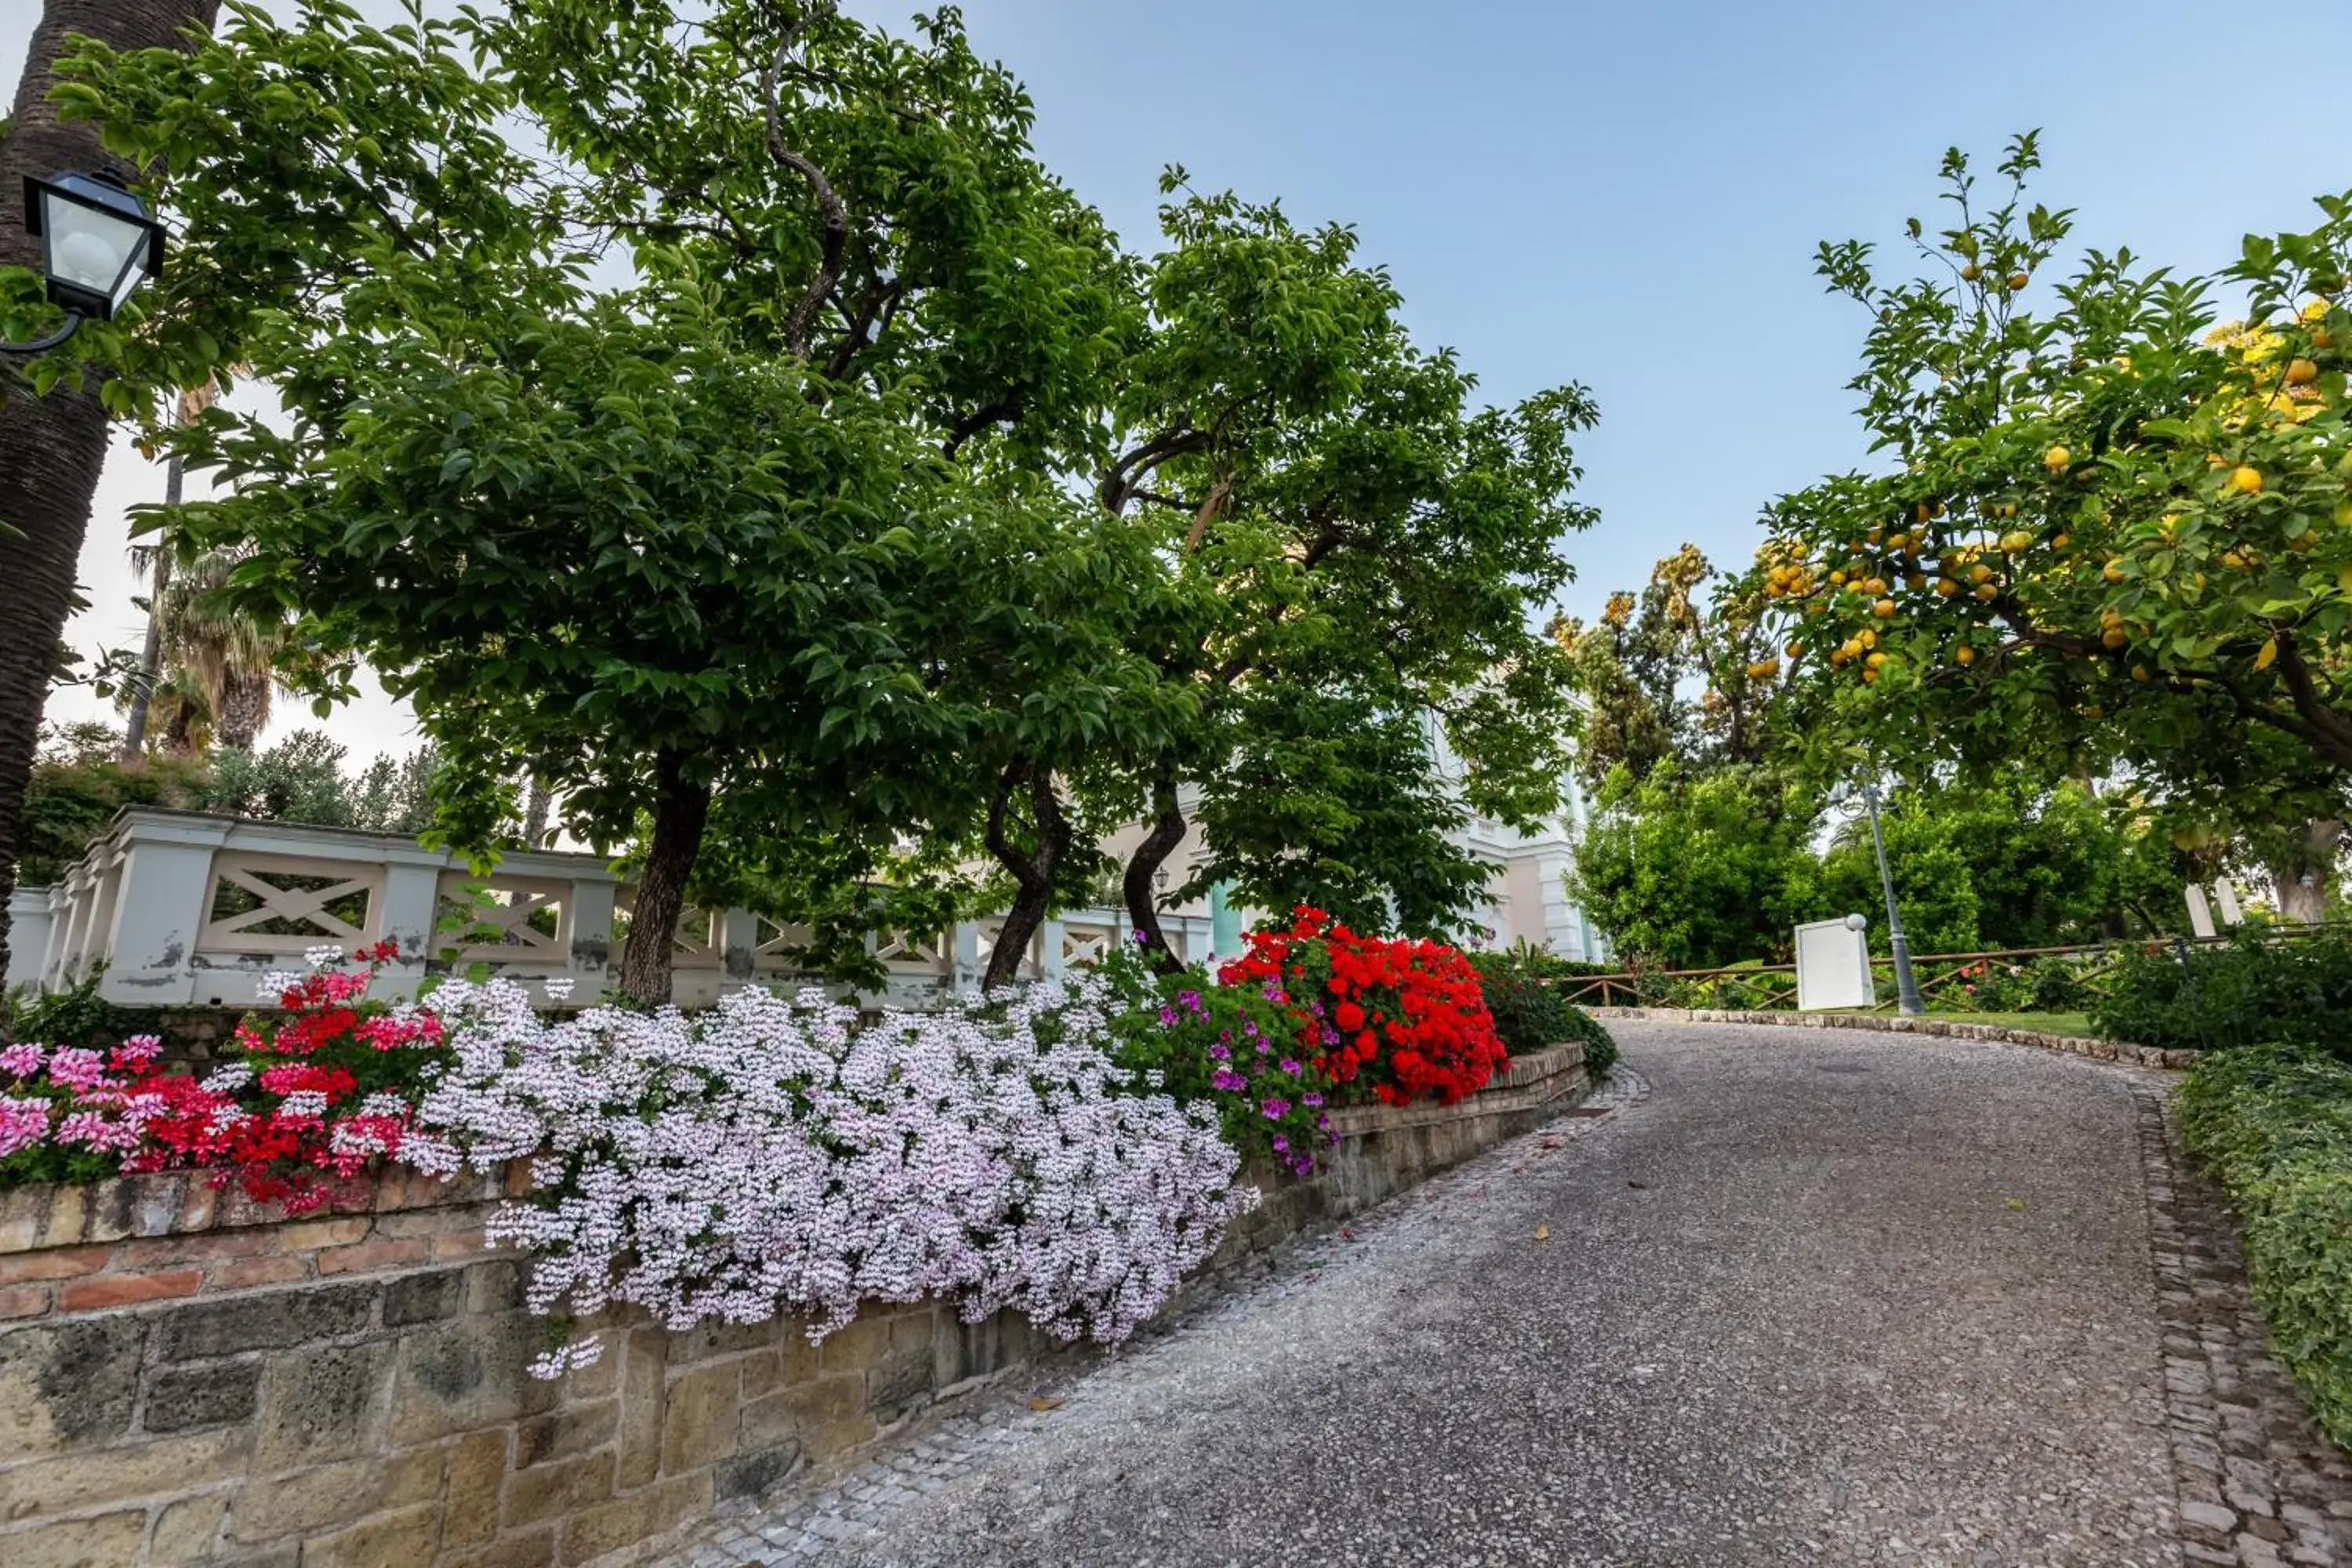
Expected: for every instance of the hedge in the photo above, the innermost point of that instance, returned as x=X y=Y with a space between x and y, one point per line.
x=2274 y=1123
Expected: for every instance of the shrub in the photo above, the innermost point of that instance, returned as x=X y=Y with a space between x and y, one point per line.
x=1406 y=1020
x=1523 y=970
x=2274 y=1123
x=2245 y=992
x=1230 y=1047
x=775 y=1155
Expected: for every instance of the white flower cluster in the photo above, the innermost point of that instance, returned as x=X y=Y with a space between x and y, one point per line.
x=773 y=1156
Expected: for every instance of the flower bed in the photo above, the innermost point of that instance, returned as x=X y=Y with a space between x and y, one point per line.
x=1068 y=1152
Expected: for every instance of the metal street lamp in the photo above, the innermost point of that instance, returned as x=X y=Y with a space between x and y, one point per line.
x=98 y=243
x=1906 y=986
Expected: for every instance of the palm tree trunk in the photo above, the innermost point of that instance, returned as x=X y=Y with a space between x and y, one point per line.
x=244 y=708
x=150 y=658
x=536 y=804
x=51 y=448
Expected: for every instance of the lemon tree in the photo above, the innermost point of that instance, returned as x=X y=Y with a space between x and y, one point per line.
x=2112 y=528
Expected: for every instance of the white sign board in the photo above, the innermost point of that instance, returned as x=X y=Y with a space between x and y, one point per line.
x=2226 y=896
x=1833 y=965
x=2200 y=914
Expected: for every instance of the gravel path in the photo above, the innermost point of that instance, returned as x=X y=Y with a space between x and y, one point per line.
x=1821 y=1297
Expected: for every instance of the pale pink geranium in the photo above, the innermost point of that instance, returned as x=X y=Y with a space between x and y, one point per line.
x=23 y=1123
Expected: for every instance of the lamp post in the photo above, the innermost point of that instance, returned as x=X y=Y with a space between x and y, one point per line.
x=98 y=243
x=1906 y=986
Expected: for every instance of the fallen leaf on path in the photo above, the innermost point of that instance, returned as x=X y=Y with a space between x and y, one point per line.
x=1543 y=1233
x=2017 y=1204
x=1045 y=1404
x=1639 y=1186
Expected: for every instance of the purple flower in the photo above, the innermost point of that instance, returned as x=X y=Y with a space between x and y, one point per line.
x=1323 y=1123
x=1281 y=1145
x=1272 y=991
x=1275 y=1109
x=1220 y=1053
x=1191 y=1002
x=1311 y=1101
x=1264 y=1049
x=1290 y=1066
x=1140 y=938
x=1305 y=1166
x=1167 y=1017
x=1227 y=1079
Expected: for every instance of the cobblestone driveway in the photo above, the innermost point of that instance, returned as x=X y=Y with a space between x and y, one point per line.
x=1820 y=1297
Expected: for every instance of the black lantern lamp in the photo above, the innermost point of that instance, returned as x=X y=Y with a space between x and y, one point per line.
x=98 y=243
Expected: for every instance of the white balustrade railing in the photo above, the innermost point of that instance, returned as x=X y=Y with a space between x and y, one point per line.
x=175 y=908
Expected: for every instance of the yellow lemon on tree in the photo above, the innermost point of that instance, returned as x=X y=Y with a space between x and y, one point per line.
x=1884 y=609
x=1876 y=661
x=2301 y=372
x=1980 y=572
x=2344 y=514
x=2056 y=459
x=1946 y=588
x=2017 y=543
x=2139 y=672
x=2245 y=481
x=1837 y=579
x=2112 y=573
x=1987 y=591
x=1866 y=637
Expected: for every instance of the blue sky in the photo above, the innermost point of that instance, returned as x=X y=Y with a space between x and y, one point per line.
x=1628 y=195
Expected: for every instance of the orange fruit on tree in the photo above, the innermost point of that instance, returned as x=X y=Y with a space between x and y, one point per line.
x=2113 y=636
x=1980 y=572
x=2301 y=372
x=1884 y=609
x=2062 y=541
x=2112 y=573
x=2017 y=279
x=1987 y=591
x=1866 y=637
x=1876 y=661
x=1964 y=654
x=1946 y=588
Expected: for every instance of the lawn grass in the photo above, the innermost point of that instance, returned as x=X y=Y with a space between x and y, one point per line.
x=2074 y=1024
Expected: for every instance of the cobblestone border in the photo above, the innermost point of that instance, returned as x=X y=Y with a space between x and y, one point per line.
x=2074 y=1044
x=837 y=1518
x=2258 y=1485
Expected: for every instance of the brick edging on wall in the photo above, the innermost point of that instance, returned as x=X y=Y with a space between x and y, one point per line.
x=2099 y=1050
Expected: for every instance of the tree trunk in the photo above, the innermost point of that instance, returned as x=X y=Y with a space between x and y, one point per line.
x=536 y=804
x=244 y=708
x=52 y=447
x=681 y=811
x=151 y=660
x=1140 y=885
x=2313 y=857
x=1033 y=867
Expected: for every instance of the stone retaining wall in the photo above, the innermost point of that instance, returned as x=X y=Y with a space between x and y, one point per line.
x=2075 y=1044
x=186 y=1380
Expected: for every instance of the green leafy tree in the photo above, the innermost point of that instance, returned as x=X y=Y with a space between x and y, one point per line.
x=851 y=279
x=1697 y=873
x=1372 y=547
x=1686 y=671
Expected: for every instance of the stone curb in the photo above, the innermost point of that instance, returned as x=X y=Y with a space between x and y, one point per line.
x=2073 y=1044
